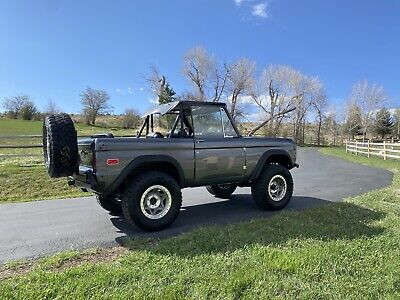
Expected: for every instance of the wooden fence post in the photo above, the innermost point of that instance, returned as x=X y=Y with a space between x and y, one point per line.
x=356 y=147
x=368 y=147
x=347 y=151
x=384 y=150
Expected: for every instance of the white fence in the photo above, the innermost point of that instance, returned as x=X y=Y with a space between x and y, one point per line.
x=385 y=149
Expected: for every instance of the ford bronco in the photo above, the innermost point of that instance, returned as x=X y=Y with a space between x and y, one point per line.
x=142 y=176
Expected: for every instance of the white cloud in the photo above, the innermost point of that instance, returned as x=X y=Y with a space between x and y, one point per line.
x=239 y=2
x=130 y=90
x=141 y=89
x=260 y=10
x=119 y=91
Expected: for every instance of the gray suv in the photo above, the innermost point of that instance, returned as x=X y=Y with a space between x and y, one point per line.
x=142 y=176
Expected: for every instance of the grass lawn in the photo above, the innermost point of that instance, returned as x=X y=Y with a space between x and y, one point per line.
x=339 y=250
x=9 y=127
x=25 y=179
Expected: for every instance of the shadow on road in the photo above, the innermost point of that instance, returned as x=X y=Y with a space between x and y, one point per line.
x=327 y=222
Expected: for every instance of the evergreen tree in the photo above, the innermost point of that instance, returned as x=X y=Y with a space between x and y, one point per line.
x=384 y=123
x=353 y=121
x=167 y=94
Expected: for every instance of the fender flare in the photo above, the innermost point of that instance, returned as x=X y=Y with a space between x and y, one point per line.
x=137 y=162
x=263 y=159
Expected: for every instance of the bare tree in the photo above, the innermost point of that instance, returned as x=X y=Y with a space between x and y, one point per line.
x=331 y=125
x=275 y=95
x=154 y=79
x=160 y=86
x=51 y=108
x=319 y=105
x=131 y=118
x=13 y=105
x=309 y=92
x=219 y=80
x=199 y=67
x=187 y=96
x=94 y=102
x=368 y=98
x=240 y=82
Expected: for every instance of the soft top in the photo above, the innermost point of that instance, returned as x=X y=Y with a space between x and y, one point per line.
x=167 y=107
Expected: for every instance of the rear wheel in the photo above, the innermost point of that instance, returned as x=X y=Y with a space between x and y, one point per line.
x=152 y=200
x=221 y=190
x=110 y=203
x=274 y=188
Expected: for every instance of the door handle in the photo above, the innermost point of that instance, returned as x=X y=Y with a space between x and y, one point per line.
x=200 y=141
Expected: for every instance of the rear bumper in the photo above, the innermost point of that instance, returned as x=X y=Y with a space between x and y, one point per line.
x=86 y=180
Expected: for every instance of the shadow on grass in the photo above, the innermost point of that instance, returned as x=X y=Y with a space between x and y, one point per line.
x=247 y=225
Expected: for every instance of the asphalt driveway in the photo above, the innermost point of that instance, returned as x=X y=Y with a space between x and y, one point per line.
x=35 y=229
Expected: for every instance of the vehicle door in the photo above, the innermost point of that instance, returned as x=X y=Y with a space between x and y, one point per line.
x=219 y=150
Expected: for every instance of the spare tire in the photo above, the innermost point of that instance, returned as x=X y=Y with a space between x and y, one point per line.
x=60 y=145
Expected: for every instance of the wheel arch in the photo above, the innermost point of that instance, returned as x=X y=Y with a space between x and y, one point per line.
x=162 y=163
x=277 y=156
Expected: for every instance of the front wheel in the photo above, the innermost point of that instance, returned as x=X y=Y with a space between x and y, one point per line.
x=274 y=188
x=152 y=200
x=221 y=190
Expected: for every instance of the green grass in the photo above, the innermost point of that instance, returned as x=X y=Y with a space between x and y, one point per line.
x=25 y=179
x=345 y=250
x=22 y=127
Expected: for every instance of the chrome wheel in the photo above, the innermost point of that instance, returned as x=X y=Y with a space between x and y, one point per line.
x=156 y=202
x=277 y=188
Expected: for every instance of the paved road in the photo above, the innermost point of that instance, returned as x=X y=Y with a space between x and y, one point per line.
x=35 y=229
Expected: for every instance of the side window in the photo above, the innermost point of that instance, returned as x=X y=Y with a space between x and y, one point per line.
x=229 y=131
x=207 y=122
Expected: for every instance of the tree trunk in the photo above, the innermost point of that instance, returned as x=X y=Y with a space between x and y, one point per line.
x=319 y=131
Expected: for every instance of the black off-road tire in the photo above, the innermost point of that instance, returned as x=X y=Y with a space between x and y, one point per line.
x=132 y=196
x=110 y=204
x=259 y=188
x=60 y=146
x=221 y=190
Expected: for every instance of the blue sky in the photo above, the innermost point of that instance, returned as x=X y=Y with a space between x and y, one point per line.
x=53 y=49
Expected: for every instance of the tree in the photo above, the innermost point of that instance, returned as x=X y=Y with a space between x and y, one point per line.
x=94 y=102
x=280 y=91
x=131 y=119
x=160 y=87
x=352 y=125
x=240 y=81
x=28 y=110
x=384 y=123
x=331 y=125
x=397 y=122
x=13 y=105
x=368 y=98
x=274 y=97
x=167 y=94
x=311 y=95
x=208 y=77
x=198 y=66
x=51 y=108
x=319 y=105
